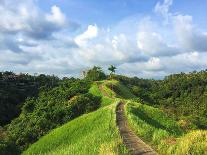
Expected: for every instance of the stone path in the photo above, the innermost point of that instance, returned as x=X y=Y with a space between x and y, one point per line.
x=133 y=143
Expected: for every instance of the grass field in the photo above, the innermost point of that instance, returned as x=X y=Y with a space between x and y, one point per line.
x=119 y=90
x=91 y=134
x=95 y=90
x=164 y=133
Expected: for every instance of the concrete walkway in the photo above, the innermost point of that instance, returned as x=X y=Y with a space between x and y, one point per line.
x=133 y=143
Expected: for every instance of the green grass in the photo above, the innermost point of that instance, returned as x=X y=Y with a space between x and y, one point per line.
x=151 y=123
x=193 y=143
x=164 y=133
x=96 y=133
x=91 y=134
x=105 y=100
x=120 y=90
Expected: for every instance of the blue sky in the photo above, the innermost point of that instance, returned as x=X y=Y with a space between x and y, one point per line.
x=106 y=13
x=145 y=38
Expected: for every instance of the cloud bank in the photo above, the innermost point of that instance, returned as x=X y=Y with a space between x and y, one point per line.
x=32 y=40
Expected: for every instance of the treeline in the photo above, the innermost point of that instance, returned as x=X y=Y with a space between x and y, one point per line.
x=15 y=88
x=52 y=108
x=182 y=95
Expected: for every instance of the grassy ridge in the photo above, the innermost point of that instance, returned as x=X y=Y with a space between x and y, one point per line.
x=151 y=123
x=164 y=133
x=91 y=134
x=95 y=90
x=96 y=133
x=118 y=89
x=193 y=143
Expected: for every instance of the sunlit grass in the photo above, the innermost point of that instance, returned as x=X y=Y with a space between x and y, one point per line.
x=151 y=123
x=193 y=143
x=119 y=89
x=164 y=133
x=95 y=90
x=96 y=133
x=90 y=134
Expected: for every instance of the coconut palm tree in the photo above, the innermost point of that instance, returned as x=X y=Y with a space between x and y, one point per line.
x=112 y=70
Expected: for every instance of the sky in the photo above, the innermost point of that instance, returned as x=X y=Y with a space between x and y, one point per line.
x=144 y=38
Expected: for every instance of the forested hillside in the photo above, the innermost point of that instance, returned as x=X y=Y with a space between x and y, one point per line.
x=182 y=95
x=52 y=108
x=15 y=88
x=37 y=104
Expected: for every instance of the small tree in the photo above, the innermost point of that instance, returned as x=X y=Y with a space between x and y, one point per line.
x=95 y=74
x=112 y=70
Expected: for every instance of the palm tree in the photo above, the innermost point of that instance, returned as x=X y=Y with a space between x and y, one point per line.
x=112 y=70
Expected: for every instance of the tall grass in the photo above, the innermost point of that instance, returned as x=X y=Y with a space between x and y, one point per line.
x=118 y=90
x=91 y=134
x=193 y=143
x=151 y=123
x=95 y=90
x=164 y=133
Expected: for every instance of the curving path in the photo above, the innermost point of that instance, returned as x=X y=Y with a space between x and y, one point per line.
x=134 y=144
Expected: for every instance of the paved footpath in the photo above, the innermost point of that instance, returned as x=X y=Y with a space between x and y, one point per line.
x=133 y=143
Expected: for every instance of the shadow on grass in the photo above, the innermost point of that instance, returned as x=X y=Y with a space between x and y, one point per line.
x=149 y=120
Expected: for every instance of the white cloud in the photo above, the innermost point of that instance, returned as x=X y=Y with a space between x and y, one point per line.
x=150 y=42
x=187 y=34
x=89 y=34
x=56 y=16
x=163 y=9
x=154 y=64
x=32 y=40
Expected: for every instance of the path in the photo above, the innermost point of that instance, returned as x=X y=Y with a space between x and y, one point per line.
x=134 y=144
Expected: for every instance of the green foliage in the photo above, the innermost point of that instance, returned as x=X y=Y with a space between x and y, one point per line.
x=151 y=123
x=193 y=143
x=95 y=74
x=51 y=102
x=98 y=89
x=163 y=132
x=120 y=90
x=112 y=68
x=14 y=89
x=51 y=109
x=181 y=95
x=91 y=134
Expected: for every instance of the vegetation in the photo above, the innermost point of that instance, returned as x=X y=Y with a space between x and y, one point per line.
x=95 y=74
x=96 y=90
x=193 y=143
x=15 y=88
x=91 y=134
x=51 y=109
x=151 y=123
x=183 y=96
x=168 y=114
x=164 y=133
x=112 y=69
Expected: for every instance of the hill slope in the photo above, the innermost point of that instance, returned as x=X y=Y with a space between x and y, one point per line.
x=93 y=133
x=96 y=132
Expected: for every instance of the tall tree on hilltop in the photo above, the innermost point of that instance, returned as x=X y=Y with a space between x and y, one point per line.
x=112 y=70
